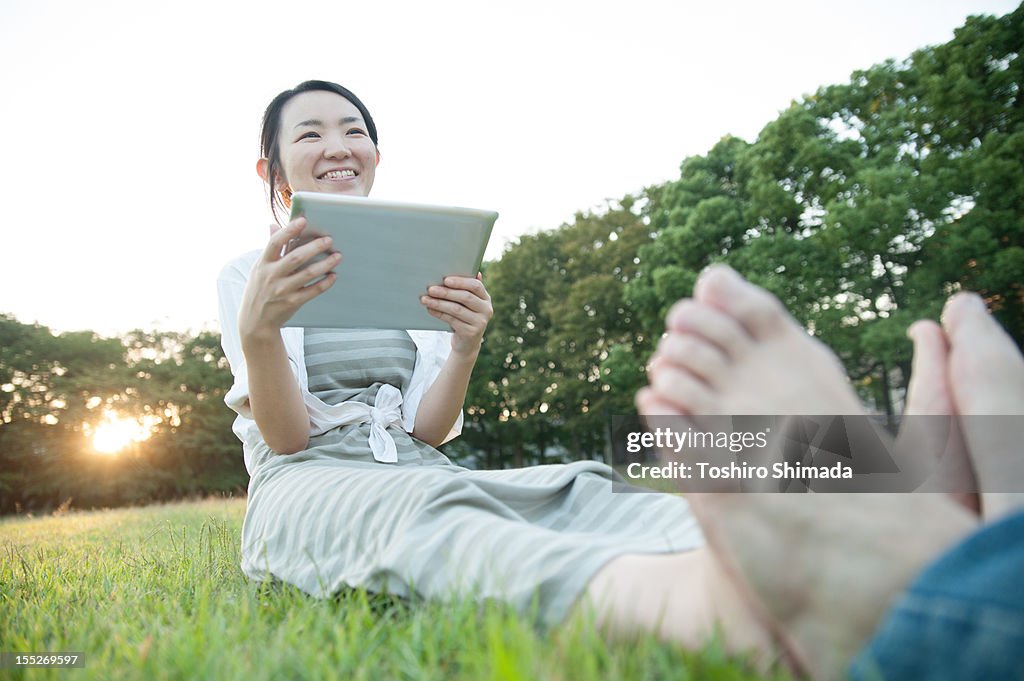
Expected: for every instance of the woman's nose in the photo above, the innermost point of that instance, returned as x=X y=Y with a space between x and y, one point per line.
x=336 y=147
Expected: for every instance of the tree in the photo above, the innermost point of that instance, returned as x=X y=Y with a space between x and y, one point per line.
x=540 y=389
x=864 y=206
x=56 y=390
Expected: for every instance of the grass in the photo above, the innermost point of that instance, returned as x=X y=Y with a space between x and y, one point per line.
x=156 y=593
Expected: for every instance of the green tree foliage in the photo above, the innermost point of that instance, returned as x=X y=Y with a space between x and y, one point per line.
x=56 y=391
x=864 y=206
x=540 y=392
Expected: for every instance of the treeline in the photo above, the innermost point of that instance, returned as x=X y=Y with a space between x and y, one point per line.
x=862 y=207
x=56 y=389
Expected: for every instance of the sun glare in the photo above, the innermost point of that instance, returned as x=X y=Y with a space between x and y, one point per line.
x=116 y=432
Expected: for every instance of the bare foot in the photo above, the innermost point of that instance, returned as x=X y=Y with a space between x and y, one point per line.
x=734 y=350
x=737 y=351
x=987 y=378
x=823 y=567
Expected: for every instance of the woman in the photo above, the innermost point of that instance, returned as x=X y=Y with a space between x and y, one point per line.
x=339 y=429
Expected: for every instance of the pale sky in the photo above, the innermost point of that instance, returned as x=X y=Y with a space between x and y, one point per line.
x=132 y=127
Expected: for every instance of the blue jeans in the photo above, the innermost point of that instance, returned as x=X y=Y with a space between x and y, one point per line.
x=962 y=618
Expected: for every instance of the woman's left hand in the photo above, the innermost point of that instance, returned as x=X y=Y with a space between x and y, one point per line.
x=465 y=305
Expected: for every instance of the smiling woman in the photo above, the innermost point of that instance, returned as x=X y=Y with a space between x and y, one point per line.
x=331 y=140
x=340 y=427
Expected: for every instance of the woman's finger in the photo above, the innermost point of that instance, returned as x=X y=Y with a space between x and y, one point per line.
x=453 y=313
x=300 y=258
x=460 y=327
x=302 y=276
x=456 y=310
x=471 y=284
x=280 y=238
x=308 y=293
x=466 y=298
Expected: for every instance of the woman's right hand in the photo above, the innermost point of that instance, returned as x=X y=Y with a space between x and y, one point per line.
x=279 y=285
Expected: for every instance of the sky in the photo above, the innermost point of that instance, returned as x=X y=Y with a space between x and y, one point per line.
x=131 y=128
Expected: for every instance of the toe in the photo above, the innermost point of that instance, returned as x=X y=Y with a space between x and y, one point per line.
x=711 y=324
x=968 y=323
x=960 y=310
x=986 y=370
x=760 y=313
x=928 y=392
x=648 y=403
x=695 y=354
x=682 y=389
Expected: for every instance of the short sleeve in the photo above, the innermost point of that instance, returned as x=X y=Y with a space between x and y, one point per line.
x=432 y=349
x=230 y=289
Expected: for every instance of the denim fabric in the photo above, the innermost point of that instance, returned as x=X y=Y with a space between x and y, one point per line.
x=963 y=617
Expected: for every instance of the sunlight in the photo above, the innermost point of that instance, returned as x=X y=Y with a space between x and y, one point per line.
x=116 y=432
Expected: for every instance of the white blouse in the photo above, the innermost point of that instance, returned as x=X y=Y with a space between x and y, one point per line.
x=391 y=407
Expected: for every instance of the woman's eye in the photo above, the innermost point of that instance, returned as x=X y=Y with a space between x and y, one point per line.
x=356 y=131
x=309 y=135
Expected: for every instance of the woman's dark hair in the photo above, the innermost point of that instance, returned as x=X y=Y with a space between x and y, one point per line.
x=272 y=129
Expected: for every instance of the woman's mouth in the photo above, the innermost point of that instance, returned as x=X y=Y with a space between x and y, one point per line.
x=337 y=175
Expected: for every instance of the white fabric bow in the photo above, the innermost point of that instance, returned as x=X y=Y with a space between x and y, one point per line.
x=386 y=411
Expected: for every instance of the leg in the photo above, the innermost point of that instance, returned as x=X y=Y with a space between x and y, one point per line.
x=682 y=597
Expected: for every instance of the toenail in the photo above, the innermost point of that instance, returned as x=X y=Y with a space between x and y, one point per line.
x=968 y=298
x=977 y=301
x=708 y=271
x=727 y=275
x=674 y=317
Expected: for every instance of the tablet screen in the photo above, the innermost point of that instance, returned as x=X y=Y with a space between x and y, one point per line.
x=391 y=252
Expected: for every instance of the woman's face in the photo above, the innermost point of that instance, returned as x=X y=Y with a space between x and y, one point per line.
x=325 y=146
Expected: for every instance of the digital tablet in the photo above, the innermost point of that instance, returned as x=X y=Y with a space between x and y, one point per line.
x=391 y=252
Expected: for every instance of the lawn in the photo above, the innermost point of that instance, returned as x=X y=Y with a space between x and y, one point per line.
x=156 y=593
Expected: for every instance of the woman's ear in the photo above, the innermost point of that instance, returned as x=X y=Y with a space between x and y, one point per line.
x=378 y=158
x=263 y=170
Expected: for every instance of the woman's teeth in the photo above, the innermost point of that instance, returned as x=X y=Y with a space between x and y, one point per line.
x=337 y=174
